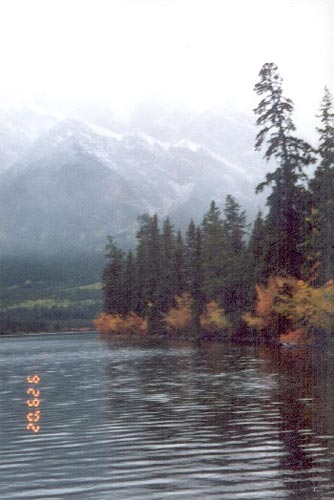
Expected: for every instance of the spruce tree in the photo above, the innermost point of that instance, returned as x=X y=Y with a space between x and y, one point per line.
x=168 y=271
x=320 y=240
x=197 y=288
x=194 y=272
x=112 y=280
x=214 y=260
x=255 y=253
x=155 y=294
x=148 y=270
x=154 y=260
x=142 y=265
x=129 y=284
x=235 y=224
x=190 y=254
x=179 y=265
x=291 y=154
x=235 y=296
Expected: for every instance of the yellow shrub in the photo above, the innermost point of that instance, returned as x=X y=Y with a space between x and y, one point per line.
x=179 y=317
x=254 y=322
x=114 y=323
x=266 y=314
x=308 y=307
x=297 y=302
x=213 y=320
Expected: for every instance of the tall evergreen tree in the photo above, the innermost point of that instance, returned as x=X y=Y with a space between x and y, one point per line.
x=321 y=236
x=255 y=253
x=156 y=298
x=197 y=290
x=142 y=264
x=235 y=224
x=179 y=265
x=235 y=296
x=168 y=270
x=112 y=280
x=194 y=266
x=286 y=202
x=154 y=260
x=190 y=254
x=129 y=284
x=149 y=297
x=213 y=243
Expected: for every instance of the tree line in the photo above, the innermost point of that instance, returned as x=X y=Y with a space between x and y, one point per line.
x=283 y=264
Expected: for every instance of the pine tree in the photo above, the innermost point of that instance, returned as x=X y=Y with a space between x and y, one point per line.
x=190 y=254
x=179 y=265
x=129 y=284
x=321 y=235
x=149 y=297
x=214 y=261
x=235 y=224
x=197 y=289
x=142 y=265
x=255 y=253
x=194 y=272
x=112 y=280
x=235 y=280
x=154 y=260
x=286 y=202
x=168 y=271
x=156 y=297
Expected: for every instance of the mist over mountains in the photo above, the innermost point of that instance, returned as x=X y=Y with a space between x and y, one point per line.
x=67 y=183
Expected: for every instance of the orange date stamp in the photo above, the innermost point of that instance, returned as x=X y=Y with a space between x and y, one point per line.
x=33 y=403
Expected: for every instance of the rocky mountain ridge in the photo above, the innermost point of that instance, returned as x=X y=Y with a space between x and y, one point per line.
x=66 y=184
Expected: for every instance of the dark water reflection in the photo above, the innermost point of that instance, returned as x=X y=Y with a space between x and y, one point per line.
x=129 y=420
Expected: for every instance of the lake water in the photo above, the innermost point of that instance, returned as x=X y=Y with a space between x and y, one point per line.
x=120 y=419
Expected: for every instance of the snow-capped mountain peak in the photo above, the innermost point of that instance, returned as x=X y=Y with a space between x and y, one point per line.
x=77 y=181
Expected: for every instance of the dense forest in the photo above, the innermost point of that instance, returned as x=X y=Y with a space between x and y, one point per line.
x=52 y=293
x=223 y=278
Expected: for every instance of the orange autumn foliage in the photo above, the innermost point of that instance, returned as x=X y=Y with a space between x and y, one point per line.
x=305 y=308
x=114 y=323
x=179 y=318
x=265 y=316
x=309 y=308
x=213 y=320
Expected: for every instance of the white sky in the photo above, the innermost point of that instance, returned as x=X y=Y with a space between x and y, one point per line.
x=194 y=52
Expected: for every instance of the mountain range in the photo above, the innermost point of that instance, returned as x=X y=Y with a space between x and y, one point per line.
x=68 y=182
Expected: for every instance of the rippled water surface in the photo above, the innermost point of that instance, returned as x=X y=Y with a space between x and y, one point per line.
x=120 y=419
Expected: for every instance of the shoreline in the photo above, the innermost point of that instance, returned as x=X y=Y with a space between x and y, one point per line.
x=44 y=333
x=164 y=339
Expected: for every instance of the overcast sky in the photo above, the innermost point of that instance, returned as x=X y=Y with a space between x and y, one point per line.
x=197 y=53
